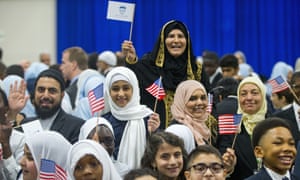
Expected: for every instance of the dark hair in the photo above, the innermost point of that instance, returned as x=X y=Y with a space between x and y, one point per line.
x=287 y=94
x=210 y=56
x=153 y=144
x=4 y=97
x=229 y=60
x=15 y=69
x=262 y=127
x=52 y=73
x=203 y=149
x=136 y=173
x=92 y=60
x=230 y=86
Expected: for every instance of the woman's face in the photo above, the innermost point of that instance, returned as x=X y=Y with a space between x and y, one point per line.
x=197 y=104
x=29 y=170
x=168 y=160
x=175 y=42
x=121 y=93
x=88 y=167
x=250 y=98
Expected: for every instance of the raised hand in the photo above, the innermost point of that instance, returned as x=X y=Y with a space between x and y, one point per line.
x=17 y=98
x=153 y=122
x=129 y=51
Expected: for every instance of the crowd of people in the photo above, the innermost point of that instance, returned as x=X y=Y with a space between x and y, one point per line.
x=49 y=130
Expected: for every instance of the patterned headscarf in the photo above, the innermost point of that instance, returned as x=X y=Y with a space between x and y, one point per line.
x=250 y=120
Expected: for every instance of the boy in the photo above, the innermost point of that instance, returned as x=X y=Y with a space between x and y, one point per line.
x=273 y=142
x=205 y=162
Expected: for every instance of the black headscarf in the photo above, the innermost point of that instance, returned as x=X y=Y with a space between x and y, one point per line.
x=173 y=70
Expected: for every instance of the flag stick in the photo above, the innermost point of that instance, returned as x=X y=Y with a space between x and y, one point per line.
x=294 y=94
x=156 y=99
x=235 y=135
x=131 y=25
x=97 y=128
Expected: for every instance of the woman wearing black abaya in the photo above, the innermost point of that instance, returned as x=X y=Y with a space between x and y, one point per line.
x=172 y=58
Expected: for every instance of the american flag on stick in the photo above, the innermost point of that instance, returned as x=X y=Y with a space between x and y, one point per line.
x=156 y=89
x=229 y=123
x=96 y=98
x=210 y=98
x=49 y=170
x=278 y=84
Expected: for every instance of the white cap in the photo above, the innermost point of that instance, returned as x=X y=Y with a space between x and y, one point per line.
x=108 y=57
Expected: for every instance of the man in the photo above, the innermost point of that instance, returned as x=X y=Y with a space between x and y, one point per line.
x=45 y=58
x=211 y=64
x=106 y=61
x=292 y=113
x=47 y=97
x=74 y=61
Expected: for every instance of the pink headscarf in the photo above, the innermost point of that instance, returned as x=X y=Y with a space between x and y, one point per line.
x=180 y=113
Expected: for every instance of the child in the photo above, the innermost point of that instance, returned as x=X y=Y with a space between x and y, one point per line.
x=87 y=159
x=273 y=142
x=165 y=153
x=141 y=174
x=205 y=162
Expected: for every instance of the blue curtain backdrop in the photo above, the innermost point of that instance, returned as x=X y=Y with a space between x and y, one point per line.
x=265 y=30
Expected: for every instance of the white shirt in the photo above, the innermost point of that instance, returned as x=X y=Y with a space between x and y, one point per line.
x=276 y=176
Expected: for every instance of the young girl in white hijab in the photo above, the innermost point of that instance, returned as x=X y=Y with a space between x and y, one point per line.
x=130 y=120
x=44 y=156
x=88 y=159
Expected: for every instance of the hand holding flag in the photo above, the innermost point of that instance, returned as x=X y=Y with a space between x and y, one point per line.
x=96 y=98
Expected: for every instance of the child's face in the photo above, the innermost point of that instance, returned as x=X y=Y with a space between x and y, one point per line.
x=29 y=170
x=229 y=72
x=202 y=161
x=88 y=167
x=168 y=160
x=121 y=93
x=277 y=148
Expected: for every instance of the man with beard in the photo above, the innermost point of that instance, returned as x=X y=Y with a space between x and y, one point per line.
x=47 y=96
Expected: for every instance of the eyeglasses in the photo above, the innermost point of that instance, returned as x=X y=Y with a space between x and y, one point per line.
x=201 y=168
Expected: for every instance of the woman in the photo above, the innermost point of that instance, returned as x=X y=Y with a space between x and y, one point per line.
x=172 y=59
x=190 y=108
x=253 y=107
x=87 y=159
x=44 y=154
x=130 y=120
x=166 y=154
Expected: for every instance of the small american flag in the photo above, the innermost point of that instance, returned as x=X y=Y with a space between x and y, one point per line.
x=278 y=84
x=210 y=98
x=96 y=98
x=229 y=123
x=156 y=89
x=49 y=170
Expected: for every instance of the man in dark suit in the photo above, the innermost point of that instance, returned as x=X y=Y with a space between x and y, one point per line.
x=292 y=114
x=48 y=94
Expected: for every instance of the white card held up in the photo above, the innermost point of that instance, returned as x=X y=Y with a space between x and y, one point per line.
x=32 y=128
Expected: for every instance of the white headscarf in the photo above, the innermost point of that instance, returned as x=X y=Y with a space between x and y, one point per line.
x=133 y=141
x=90 y=147
x=48 y=145
x=185 y=134
x=90 y=124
